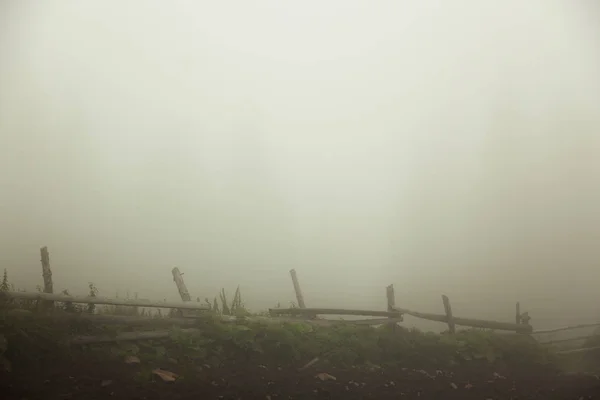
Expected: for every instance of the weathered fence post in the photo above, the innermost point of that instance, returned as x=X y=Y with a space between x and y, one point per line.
x=178 y=279
x=521 y=318
x=391 y=297
x=299 y=296
x=47 y=275
x=391 y=302
x=449 y=317
x=183 y=292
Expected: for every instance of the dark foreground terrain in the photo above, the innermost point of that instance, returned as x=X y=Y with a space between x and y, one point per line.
x=89 y=378
x=272 y=360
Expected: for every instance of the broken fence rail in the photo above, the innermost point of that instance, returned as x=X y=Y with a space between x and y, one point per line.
x=175 y=321
x=102 y=300
x=474 y=323
x=397 y=313
x=565 y=328
x=333 y=311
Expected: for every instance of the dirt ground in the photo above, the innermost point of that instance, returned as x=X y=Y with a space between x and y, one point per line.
x=89 y=378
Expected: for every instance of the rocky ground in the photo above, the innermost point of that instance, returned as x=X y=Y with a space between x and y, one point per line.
x=129 y=378
x=272 y=361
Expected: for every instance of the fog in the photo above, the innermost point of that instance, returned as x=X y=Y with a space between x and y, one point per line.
x=445 y=147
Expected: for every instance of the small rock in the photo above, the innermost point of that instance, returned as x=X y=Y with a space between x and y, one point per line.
x=453 y=385
x=132 y=360
x=373 y=367
x=421 y=371
x=325 y=377
x=106 y=382
x=166 y=376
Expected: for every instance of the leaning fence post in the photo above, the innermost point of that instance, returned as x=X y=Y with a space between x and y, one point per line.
x=518 y=314
x=47 y=275
x=299 y=296
x=391 y=298
x=449 y=317
x=391 y=302
x=183 y=292
x=178 y=279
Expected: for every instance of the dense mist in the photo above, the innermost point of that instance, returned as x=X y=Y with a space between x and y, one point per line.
x=445 y=147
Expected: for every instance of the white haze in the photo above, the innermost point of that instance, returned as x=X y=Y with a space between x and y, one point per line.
x=445 y=147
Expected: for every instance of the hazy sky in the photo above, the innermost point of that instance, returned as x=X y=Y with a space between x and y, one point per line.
x=445 y=147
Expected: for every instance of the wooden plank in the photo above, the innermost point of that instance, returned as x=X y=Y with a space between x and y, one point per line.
x=332 y=311
x=474 y=323
x=373 y=321
x=102 y=300
x=63 y=317
x=299 y=296
x=449 y=317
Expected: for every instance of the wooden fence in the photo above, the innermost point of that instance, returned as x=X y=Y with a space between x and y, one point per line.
x=392 y=315
x=396 y=314
x=576 y=343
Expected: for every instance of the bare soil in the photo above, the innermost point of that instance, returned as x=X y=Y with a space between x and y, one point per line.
x=88 y=377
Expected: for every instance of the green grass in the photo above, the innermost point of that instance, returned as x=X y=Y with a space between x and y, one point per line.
x=350 y=345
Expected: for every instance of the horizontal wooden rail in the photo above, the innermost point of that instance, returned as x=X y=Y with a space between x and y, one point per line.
x=333 y=311
x=565 y=328
x=474 y=323
x=580 y=350
x=573 y=339
x=108 y=319
x=102 y=300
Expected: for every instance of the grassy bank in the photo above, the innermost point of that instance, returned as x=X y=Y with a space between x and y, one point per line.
x=284 y=344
